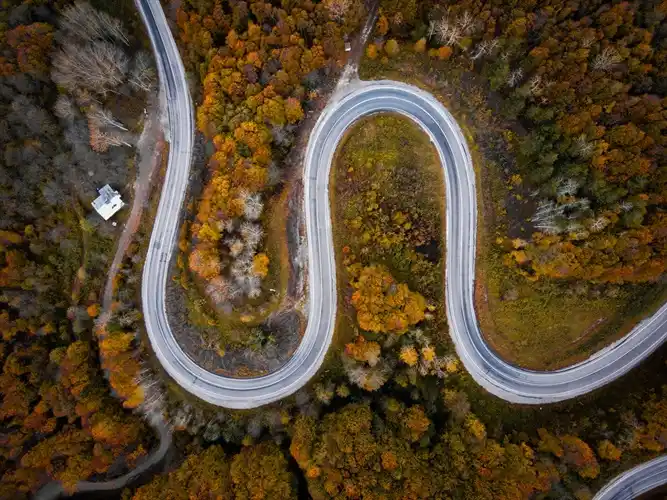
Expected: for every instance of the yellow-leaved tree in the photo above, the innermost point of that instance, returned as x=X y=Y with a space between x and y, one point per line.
x=384 y=306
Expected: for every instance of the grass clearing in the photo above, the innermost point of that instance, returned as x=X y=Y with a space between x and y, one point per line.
x=388 y=199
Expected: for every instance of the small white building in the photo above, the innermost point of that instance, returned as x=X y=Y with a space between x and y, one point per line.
x=108 y=202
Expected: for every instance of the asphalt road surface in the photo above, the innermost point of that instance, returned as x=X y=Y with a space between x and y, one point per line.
x=635 y=482
x=497 y=376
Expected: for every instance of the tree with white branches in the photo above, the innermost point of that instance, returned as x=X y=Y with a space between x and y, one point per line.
x=599 y=223
x=228 y=225
x=546 y=217
x=535 y=85
x=142 y=74
x=64 y=108
x=101 y=141
x=514 y=77
x=253 y=284
x=446 y=32
x=252 y=207
x=432 y=24
x=587 y=41
x=465 y=23
x=626 y=206
x=100 y=67
x=252 y=234
x=103 y=118
x=567 y=187
x=481 y=49
x=235 y=245
x=338 y=8
x=83 y=21
x=234 y=291
x=241 y=268
x=606 y=59
x=583 y=148
x=580 y=204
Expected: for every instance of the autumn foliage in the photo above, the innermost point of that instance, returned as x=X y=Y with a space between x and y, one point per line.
x=383 y=305
x=260 y=66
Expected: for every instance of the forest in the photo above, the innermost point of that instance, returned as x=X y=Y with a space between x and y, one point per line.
x=393 y=415
x=578 y=88
x=262 y=67
x=564 y=106
x=72 y=84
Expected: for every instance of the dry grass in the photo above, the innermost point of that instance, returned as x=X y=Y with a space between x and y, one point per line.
x=390 y=156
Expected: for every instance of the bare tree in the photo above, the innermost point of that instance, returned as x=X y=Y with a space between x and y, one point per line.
x=253 y=207
x=235 y=246
x=142 y=74
x=606 y=59
x=252 y=234
x=535 y=85
x=234 y=292
x=567 y=187
x=447 y=33
x=229 y=225
x=181 y=417
x=241 y=268
x=101 y=141
x=83 y=21
x=626 y=206
x=63 y=108
x=481 y=49
x=514 y=77
x=547 y=216
x=599 y=223
x=337 y=9
x=213 y=431
x=254 y=289
x=583 y=147
x=465 y=23
x=587 y=41
x=580 y=204
x=100 y=66
x=103 y=118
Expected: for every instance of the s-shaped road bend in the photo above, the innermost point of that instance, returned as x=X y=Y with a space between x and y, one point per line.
x=502 y=379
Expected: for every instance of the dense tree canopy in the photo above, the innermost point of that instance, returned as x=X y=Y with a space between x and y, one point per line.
x=586 y=82
x=260 y=65
x=255 y=473
x=58 y=419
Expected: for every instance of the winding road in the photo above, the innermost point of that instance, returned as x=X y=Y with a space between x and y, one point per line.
x=506 y=381
x=502 y=379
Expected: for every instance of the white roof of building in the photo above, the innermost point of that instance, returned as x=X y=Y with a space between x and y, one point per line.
x=108 y=202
